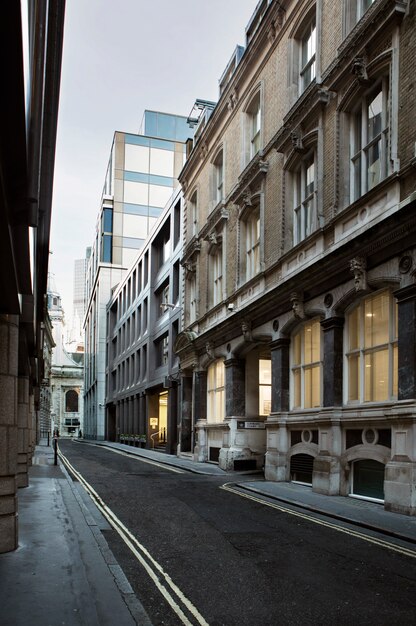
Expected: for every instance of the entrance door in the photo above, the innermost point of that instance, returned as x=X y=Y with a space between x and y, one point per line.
x=163 y=418
x=368 y=479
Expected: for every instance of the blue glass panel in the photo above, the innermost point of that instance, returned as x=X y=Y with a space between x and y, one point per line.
x=150 y=123
x=132 y=242
x=166 y=181
x=182 y=129
x=166 y=126
x=107 y=241
x=154 y=211
x=136 y=177
x=135 y=209
x=108 y=221
x=164 y=145
x=137 y=140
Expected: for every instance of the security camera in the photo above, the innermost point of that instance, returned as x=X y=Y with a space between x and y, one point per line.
x=231 y=307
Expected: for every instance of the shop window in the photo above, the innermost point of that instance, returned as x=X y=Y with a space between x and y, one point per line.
x=216 y=392
x=306 y=367
x=372 y=366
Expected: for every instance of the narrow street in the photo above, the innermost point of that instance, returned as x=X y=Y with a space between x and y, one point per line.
x=235 y=561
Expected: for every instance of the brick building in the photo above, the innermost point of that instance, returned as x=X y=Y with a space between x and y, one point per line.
x=298 y=346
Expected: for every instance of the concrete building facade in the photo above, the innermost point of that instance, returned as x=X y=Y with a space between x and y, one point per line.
x=141 y=177
x=30 y=67
x=143 y=322
x=298 y=347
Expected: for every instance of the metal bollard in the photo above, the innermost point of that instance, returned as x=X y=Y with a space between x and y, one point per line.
x=55 y=451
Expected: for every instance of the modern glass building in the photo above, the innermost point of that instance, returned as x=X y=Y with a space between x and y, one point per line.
x=141 y=177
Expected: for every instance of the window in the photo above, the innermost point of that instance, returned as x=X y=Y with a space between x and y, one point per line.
x=304 y=199
x=163 y=299
x=308 y=56
x=369 y=141
x=71 y=401
x=215 y=282
x=265 y=386
x=250 y=228
x=306 y=366
x=254 y=125
x=193 y=213
x=193 y=295
x=216 y=392
x=353 y=12
x=372 y=349
x=219 y=178
x=162 y=351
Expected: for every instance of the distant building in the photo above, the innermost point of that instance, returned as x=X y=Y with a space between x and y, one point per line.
x=67 y=375
x=44 y=424
x=75 y=341
x=141 y=177
x=144 y=313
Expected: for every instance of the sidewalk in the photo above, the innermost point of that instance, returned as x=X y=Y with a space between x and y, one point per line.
x=63 y=571
x=368 y=515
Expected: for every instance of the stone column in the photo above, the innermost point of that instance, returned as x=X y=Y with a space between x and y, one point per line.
x=9 y=339
x=275 y=467
x=136 y=415
x=186 y=414
x=172 y=419
x=118 y=422
x=400 y=473
x=23 y=433
x=235 y=388
x=280 y=374
x=333 y=360
x=142 y=415
x=200 y=395
x=199 y=389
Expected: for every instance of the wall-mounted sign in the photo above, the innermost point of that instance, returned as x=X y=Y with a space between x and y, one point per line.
x=251 y=425
x=153 y=422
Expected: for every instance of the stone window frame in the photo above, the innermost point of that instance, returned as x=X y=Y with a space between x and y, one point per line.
x=294 y=166
x=193 y=211
x=71 y=391
x=380 y=71
x=253 y=111
x=310 y=14
x=361 y=351
x=250 y=214
x=215 y=272
x=217 y=177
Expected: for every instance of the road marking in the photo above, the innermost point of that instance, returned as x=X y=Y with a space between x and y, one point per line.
x=138 y=458
x=151 y=566
x=310 y=518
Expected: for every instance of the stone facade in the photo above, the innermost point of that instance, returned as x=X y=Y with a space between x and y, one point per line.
x=298 y=349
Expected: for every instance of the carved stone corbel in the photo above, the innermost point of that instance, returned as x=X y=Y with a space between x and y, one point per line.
x=246 y=330
x=358 y=268
x=359 y=69
x=298 y=307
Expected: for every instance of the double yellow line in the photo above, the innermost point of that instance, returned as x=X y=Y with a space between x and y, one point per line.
x=310 y=518
x=169 y=590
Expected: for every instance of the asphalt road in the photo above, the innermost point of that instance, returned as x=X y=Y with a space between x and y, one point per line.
x=239 y=562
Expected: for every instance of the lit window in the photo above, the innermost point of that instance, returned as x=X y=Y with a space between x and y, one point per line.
x=265 y=386
x=372 y=349
x=304 y=199
x=369 y=141
x=306 y=366
x=308 y=56
x=216 y=392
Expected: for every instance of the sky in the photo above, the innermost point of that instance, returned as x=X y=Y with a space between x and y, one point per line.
x=120 y=58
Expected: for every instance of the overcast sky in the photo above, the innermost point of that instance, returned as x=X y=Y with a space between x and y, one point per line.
x=120 y=58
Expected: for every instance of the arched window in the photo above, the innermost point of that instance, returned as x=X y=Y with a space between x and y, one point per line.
x=371 y=349
x=71 y=401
